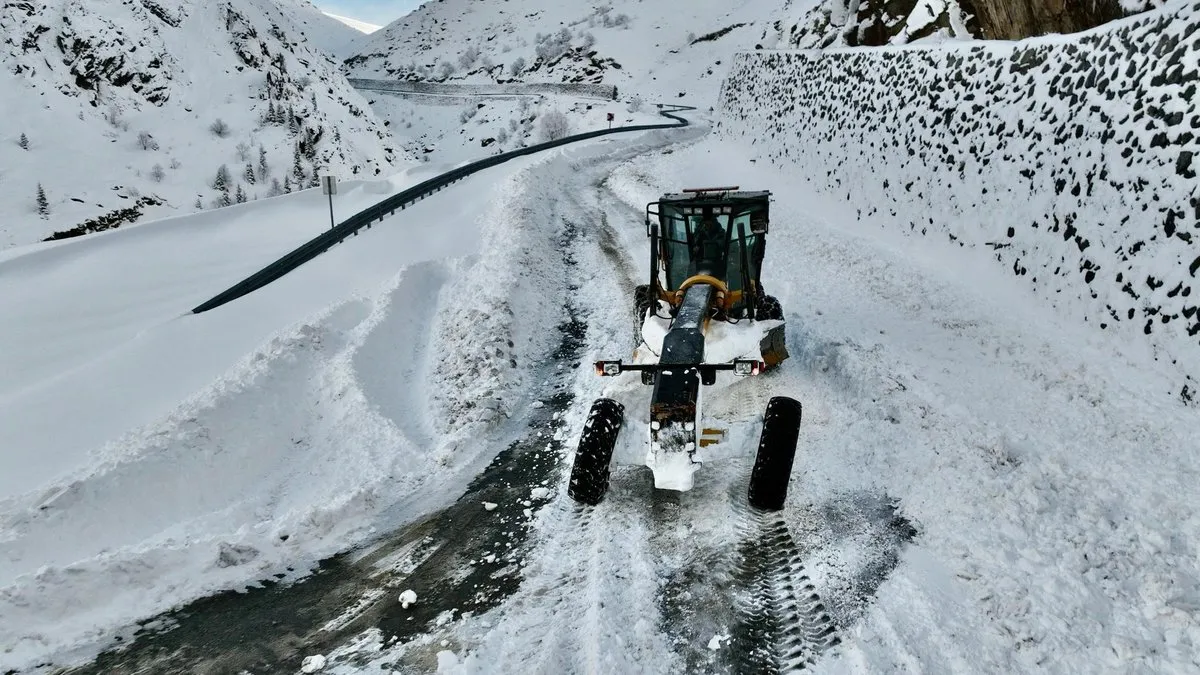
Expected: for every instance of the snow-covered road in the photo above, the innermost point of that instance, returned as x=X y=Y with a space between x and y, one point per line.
x=980 y=486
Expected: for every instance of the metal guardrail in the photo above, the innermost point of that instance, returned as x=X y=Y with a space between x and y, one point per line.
x=605 y=91
x=388 y=207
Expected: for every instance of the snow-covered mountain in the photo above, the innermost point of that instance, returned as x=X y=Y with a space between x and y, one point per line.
x=359 y=26
x=652 y=49
x=661 y=51
x=117 y=109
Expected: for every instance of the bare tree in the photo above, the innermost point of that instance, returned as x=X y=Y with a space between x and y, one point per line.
x=468 y=57
x=219 y=128
x=517 y=66
x=146 y=141
x=554 y=126
x=243 y=152
x=157 y=174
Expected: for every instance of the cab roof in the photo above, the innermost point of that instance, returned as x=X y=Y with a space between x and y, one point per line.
x=716 y=195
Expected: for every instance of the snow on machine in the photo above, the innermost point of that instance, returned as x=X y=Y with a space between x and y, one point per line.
x=703 y=312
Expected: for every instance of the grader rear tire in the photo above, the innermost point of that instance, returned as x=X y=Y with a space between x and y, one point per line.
x=589 y=474
x=776 y=453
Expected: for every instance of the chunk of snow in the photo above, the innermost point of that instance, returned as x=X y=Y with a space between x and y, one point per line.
x=489 y=506
x=715 y=643
x=537 y=404
x=446 y=660
x=407 y=598
x=540 y=493
x=312 y=664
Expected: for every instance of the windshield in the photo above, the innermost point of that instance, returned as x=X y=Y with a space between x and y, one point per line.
x=698 y=239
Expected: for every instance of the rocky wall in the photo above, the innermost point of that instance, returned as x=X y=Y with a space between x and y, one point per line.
x=1074 y=159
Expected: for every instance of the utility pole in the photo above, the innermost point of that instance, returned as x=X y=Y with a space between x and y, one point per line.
x=329 y=187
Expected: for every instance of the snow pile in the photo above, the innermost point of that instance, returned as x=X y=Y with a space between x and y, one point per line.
x=206 y=452
x=116 y=111
x=1073 y=159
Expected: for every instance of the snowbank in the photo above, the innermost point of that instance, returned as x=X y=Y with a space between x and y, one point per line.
x=1072 y=158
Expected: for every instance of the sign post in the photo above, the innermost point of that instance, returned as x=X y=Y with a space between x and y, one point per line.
x=329 y=187
x=610 y=120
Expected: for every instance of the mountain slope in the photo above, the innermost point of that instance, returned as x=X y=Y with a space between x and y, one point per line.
x=638 y=47
x=116 y=109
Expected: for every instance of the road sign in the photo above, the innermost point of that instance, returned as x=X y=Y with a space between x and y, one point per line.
x=329 y=185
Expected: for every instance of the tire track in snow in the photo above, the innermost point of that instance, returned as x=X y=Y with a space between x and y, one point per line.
x=782 y=623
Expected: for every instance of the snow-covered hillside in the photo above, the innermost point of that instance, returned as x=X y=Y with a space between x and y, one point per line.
x=1073 y=160
x=651 y=49
x=119 y=108
x=851 y=23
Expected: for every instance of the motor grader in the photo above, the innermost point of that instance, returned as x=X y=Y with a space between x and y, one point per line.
x=703 y=312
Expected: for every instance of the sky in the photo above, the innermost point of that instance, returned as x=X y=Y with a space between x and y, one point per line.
x=378 y=12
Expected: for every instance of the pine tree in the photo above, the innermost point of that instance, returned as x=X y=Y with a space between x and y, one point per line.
x=293 y=126
x=287 y=185
x=263 y=169
x=221 y=182
x=315 y=181
x=43 y=204
x=297 y=166
x=241 y=195
x=24 y=142
x=249 y=174
x=224 y=200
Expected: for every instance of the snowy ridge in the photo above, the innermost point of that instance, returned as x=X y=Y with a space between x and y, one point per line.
x=360 y=26
x=1071 y=158
x=106 y=102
